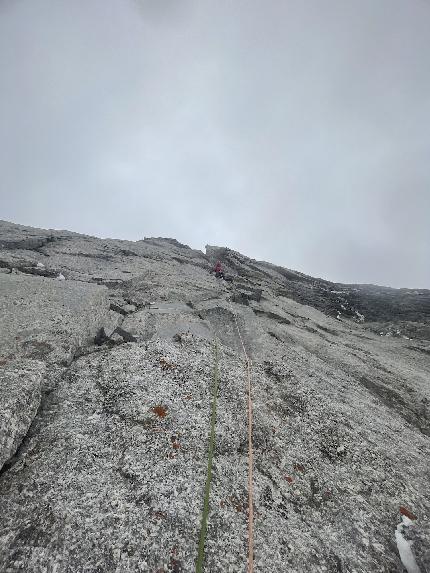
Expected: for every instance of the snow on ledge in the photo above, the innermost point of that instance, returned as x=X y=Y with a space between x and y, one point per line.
x=404 y=547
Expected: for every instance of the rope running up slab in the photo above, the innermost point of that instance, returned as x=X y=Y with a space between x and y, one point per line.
x=204 y=524
x=250 y=452
x=203 y=530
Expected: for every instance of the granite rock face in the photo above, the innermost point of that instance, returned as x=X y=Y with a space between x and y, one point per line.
x=106 y=374
x=46 y=319
x=20 y=391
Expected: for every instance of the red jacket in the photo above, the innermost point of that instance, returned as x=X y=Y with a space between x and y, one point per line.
x=218 y=267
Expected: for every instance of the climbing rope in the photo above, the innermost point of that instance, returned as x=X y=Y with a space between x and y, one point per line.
x=205 y=514
x=204 y=524
x=250 y=451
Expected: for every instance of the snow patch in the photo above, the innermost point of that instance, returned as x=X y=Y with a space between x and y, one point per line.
x=61 y=277
x=404 y=547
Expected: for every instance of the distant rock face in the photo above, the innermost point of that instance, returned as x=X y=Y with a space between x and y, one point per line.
x=106 y=373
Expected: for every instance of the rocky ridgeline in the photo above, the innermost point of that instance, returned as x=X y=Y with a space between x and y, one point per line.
x=106 y=370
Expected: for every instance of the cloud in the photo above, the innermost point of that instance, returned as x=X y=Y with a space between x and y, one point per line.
x=295 y=132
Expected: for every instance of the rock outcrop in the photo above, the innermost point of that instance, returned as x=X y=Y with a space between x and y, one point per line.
x=106 y=373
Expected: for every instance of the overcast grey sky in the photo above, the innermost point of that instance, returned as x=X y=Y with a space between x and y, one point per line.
x=294 y=131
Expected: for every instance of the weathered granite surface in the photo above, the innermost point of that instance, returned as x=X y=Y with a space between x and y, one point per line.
x=103 y=435
x=46 y=319
x=20 y=392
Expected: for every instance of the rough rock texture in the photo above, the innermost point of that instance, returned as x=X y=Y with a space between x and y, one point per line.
x=45 y=319
x=20 y=392
x=105 y=406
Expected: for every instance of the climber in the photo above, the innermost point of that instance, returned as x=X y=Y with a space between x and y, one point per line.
x=218 y=271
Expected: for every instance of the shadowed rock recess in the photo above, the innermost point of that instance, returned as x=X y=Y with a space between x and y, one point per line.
x=106 y=372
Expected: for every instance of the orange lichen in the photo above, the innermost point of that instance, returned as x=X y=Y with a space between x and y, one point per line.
x=160 y=411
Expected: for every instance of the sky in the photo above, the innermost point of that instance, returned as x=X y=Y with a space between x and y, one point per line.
x=293 y=131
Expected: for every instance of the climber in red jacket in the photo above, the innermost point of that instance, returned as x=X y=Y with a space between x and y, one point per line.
x=218 y=271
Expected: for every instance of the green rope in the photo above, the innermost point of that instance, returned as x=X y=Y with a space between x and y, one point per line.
x=204 y=526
